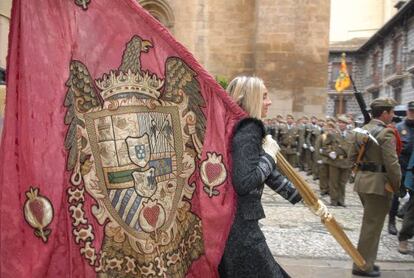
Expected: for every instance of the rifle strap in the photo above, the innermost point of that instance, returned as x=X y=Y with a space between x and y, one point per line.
x=362 y=148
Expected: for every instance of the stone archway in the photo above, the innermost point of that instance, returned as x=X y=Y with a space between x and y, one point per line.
x=160 y=10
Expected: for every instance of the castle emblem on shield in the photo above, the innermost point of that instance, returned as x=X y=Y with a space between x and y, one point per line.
x=133 y=142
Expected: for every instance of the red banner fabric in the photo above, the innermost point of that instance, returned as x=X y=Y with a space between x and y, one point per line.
x=115 y=156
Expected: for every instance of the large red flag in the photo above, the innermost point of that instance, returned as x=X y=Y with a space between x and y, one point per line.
x=115 y=150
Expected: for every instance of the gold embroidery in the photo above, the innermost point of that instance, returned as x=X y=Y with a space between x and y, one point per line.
x=213 y=173
x=38 y=212
x=133 y=148
x=83 y=3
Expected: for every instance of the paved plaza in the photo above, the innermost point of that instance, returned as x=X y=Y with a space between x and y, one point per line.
x=302 y=245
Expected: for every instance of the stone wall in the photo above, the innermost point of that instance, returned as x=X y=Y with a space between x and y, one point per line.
x=275 y=58
x=389 y=81
x=291 y=53
x=356 y=18
x=220 y=34
x=282 y=41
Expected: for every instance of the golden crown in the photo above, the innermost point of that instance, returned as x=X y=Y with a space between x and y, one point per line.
x=119 y=82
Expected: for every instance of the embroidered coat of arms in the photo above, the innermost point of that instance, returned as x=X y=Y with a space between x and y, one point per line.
x=134 y=140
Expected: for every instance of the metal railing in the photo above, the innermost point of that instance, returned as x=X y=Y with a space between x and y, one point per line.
x=392 y=69
x=373 y=80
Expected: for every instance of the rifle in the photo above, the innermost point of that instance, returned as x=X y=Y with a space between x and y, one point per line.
x=361 y=102
x=367 y=118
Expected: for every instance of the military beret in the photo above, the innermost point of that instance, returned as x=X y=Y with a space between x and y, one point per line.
x=305 y=118
x=330 y=124
x=321 y=120
x=290 y=116
x=343 y=118
x=331 y=119
x=410 y=105
x=279 y=116
x=383 y=102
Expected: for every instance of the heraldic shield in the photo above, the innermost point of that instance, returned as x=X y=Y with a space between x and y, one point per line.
x=139 y=149
x=133 y=143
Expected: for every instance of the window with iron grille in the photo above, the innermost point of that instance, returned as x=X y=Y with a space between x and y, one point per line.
x=396 y=55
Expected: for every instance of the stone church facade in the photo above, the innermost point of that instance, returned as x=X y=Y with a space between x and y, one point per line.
x=282 y=41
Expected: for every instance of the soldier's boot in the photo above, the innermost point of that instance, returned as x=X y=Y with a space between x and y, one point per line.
x=392 y=229
x=403 y=247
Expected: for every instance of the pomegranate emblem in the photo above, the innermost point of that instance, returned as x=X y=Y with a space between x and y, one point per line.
x=152 y=216
x=38 y=212
x=213 y=173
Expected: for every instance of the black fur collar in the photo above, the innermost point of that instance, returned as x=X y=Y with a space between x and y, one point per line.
x=248 y=121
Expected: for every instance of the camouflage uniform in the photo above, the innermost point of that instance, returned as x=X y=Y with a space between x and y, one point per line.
x=378 y=174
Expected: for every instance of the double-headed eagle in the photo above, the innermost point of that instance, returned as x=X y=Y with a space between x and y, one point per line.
x=82 y=95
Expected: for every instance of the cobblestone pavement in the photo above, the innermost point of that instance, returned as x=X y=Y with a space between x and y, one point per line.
x=294 y=234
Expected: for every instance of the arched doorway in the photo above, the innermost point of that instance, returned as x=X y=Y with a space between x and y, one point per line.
x=160 y=10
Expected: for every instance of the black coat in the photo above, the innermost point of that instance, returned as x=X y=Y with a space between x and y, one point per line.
x=246 y=253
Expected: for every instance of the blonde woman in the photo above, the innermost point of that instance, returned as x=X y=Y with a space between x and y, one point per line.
x=254 y=164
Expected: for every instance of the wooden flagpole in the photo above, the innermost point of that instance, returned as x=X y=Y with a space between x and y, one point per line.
x=311 y=200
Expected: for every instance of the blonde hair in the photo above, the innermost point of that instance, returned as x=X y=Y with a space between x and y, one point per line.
x=248 y=92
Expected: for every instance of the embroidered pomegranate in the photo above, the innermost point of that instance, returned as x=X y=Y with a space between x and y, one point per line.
x=151 y=215
x=36 y=208
x=38 y=212
x=213 y=171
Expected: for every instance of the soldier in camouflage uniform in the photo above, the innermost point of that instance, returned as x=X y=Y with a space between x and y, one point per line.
x=288 y=140
x=378 y=177
x=339 y=163
x=321 y=124
x=302 y=138
x=309 y=145
x=316 y=130
x=279 y=123
x=322 y=144
x=271 y=127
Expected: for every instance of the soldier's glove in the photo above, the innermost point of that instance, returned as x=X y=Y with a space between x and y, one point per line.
x=322 y=211
x=312 y=149
x=305 y=146
x=319 y=162
x=404 y=196
x=270 y=146
x=320 y=150
x=332 y=155
x=298 y=153
x=402 y=192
